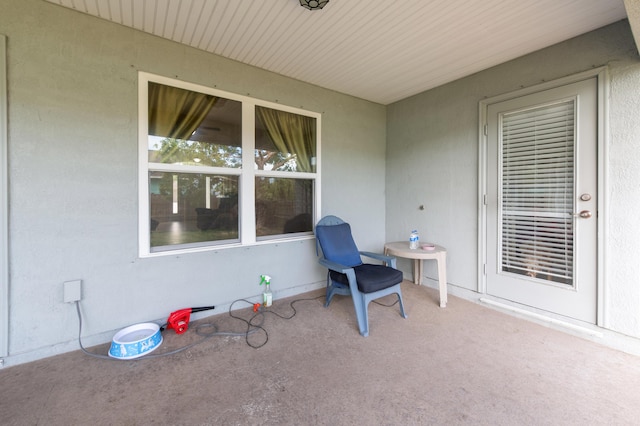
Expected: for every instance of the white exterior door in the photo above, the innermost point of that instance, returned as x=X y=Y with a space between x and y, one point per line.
x=541 y=204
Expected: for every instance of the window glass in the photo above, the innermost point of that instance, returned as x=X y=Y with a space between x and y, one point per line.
x=283 y=206
x=285 y=141
x=191 y=128
x=192 y=208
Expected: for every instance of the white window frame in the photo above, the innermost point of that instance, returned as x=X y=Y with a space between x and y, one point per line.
x=247 y=174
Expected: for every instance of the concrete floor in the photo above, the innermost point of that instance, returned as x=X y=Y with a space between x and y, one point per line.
x=465 y=364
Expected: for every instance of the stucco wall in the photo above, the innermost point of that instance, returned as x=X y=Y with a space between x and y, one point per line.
x=432 y=159
x=72 y=83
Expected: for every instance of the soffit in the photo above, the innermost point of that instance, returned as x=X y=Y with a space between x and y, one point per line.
x=379 y=50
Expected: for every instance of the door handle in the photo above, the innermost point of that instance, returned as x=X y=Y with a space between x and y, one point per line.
x=585 y=214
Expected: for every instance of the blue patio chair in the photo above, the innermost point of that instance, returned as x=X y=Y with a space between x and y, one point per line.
x=348 y=275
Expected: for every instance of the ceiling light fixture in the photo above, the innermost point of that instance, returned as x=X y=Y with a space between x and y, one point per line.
x=313 y=4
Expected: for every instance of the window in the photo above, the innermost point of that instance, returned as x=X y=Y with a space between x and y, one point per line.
x=219 y=169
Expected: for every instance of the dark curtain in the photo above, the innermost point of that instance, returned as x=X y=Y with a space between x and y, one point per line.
x=290 y=133
x=176 y=113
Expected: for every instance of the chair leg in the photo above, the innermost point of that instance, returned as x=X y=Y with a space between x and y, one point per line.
x=330 y=291
x=365 y=320
x=402 y=313
x=361 y=313
x=362 y=310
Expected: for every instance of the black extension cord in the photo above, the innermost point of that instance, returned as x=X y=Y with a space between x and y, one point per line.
x=252 y=328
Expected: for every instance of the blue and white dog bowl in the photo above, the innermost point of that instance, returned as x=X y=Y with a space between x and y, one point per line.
x=135 y=341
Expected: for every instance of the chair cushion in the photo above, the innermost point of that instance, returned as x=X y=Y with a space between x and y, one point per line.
x=337 y=244
x=370 y=277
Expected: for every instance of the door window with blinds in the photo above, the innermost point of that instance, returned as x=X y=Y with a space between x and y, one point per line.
x=536 y=192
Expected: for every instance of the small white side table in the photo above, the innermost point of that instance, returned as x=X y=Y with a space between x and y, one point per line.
x=439 y=254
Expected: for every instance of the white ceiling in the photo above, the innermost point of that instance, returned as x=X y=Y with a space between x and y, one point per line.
x=379 y=50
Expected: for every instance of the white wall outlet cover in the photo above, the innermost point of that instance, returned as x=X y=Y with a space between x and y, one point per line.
x=72 y=291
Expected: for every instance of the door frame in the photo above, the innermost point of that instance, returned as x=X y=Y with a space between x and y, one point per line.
x=601 y=74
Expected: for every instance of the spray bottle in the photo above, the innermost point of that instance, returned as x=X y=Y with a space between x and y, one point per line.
x=267 y=297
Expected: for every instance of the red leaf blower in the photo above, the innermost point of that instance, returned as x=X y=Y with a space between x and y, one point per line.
x=179 y=320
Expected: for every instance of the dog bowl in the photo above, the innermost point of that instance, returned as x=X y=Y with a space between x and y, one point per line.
x=135 y=341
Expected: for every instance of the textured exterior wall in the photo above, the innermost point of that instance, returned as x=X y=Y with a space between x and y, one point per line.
x=622 y=286
x=72 y=82
x=432 y=159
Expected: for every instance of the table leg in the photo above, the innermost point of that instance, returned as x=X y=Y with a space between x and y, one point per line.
x=442 y=278
x=417 y=271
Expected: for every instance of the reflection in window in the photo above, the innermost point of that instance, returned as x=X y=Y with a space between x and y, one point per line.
x=190 y=208
x=283 y=206
x=191 y=128
x=285 y=141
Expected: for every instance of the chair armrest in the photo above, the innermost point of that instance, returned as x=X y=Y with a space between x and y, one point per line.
x=334 y=266
x=389 y=260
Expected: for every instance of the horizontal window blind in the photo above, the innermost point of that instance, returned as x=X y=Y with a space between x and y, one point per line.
x=537 y=187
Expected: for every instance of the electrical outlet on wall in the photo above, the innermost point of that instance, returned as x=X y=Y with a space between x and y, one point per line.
x=72 y=291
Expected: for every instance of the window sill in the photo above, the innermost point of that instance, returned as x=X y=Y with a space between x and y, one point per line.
x=179 y=252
